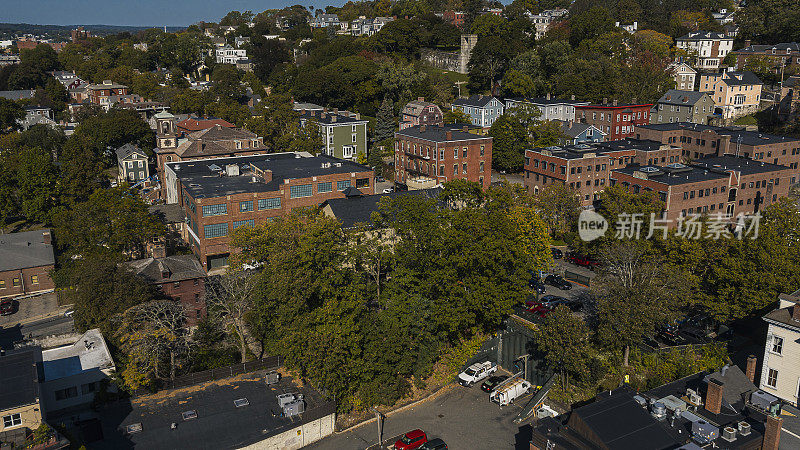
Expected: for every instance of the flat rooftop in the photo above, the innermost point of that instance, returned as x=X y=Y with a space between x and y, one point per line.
x=439 y=134
x=88 y=353
x=219 y=423
x=205 y=178
x=747 y=137
x=577 y=151
x=673 y=176
x=741 y=164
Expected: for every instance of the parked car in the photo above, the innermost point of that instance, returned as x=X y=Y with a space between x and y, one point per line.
x=7 y=308
x=492 y=382
x=434 y=444
x=476 y=372
x=559 y=282
x=552 y=301
x=583 y=261
x=539 y=309
x=411 y=440
x=557 y=253
x=510 y=392
x=536 y=285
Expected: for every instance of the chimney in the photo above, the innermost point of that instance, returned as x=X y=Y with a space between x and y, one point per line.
x=336 y=110
x=333 y=118
x=747 y=43
x=46 y=238
x=772 y=433
x=572 y=97
x=422 y=128
x=714 y=395
x=796 y=312
x=420 y=99
x=548 y=96
x=605 y=100
x=448 y=135
x=158 y=250
x=465 y=129
x=615 y=102
x=750 y=371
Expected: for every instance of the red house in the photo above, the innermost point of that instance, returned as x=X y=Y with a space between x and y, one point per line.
x=616 y=120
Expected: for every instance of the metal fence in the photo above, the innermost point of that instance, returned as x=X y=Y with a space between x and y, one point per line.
x=268 y=363
x=576 y=277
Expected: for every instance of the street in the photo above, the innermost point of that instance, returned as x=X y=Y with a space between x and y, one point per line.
x=462 y=417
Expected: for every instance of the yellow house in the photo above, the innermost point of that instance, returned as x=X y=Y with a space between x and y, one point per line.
x=20 y=374
x=735 y=94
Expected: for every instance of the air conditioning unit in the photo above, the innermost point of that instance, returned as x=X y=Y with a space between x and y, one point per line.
x=294 y=408
x=729 y=434
x=744 y=428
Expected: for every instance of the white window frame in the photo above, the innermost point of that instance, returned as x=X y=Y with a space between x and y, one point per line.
x=769 y=374
x=14 y=420
x=777 y=343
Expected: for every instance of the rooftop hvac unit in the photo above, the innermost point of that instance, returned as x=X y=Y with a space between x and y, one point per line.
x=659 y=411
x=705 y=430
x=232 y=170
x=744 y=428
x=294 y=408
x=272 y=377
x=285 y=399
x=640 y=400
x=763 y=400
x=729 y=434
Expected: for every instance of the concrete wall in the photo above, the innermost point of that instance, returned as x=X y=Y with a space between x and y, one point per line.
x=450 y=61
x=298 y=437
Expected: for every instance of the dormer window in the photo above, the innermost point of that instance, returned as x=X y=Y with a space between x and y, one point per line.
x=165 y=274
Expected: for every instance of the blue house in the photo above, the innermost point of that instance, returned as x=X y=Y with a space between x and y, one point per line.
x=483 y=110
x=577 y=133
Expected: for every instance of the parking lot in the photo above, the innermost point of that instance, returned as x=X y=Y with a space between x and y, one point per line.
x=32 y=309
x=463 y=417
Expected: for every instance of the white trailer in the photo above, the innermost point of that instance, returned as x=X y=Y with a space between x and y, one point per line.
x=511 y=390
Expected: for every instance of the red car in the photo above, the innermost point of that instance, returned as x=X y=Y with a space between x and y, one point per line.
x=539 y=309
x=583 y=261
x=7 y=308
x=411 y=440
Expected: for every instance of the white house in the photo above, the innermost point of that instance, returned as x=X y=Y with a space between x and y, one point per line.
x=708 y=47
x=230 y=55
x=780 y=373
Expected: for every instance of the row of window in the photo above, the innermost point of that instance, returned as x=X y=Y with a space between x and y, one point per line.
x=405 y=146
x=702 y=193
x=424 y=167
x=221 y=209
x=70 y=392
x=17 y=281
x=624 y=117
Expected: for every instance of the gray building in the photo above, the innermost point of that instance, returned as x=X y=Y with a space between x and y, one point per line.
x=552 y=108
x=483 y=110
x=683 y=106
x=132 y=164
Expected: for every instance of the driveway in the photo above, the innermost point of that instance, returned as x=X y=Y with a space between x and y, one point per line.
x=463 y=417
x=32 y=309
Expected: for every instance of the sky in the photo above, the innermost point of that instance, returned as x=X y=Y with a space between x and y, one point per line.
x=155 y=13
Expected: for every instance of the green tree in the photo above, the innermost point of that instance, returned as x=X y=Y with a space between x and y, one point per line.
x=36 y=180
x=385 y=122
x=590 y=24
x=562 y=338
x=10 y=115
x=559 y=205
x=518 y=84
x=509 y=140
x=452 y=116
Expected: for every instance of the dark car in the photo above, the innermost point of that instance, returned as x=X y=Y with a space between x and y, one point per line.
x=434 y=444
x=7 y=308
x=557 y=254
x=536 y=285
x=552 y=301
x=492 y=382
x=559 y=282
x=411 y=440
x=583 y=261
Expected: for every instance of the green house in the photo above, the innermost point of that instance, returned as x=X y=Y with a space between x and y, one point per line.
x=344 y=134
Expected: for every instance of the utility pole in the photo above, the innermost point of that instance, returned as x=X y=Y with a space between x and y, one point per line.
x=458 y=85
x=380 y=418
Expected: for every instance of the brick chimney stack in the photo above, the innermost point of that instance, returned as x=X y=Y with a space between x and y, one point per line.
x=448 y=135
x=46 y=237
x=772 y=433
x=751 y=368
x=714 y=395
x=796 y=312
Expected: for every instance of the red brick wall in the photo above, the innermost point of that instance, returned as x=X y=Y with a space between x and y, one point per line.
x=411 y=162
x=26 y=280
x=191 y=294
x=614 y=127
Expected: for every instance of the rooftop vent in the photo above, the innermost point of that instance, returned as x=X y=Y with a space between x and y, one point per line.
x=134 y=428
x=189 y=415
x=729 y=434
x=649 y=169
x=744 y=428
x=675 y=166
x=241 y=402
x=214 y=168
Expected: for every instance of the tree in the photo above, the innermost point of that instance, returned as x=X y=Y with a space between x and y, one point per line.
x=590 y=24
x=518 y=84
x=10 y=115
x=489 y=61
x=267 y=54
x=227 y=83
x=559 y=206
x=562 y=339
x=636 y=293
x=151 y=333
x=509 y=140
x=230 y=298
x=385 y=122
x=452 y=116
x=37 y=178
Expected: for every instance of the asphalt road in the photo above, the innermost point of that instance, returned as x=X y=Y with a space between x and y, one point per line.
x=463 y=417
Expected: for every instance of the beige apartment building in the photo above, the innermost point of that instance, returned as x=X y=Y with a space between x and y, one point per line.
x=735 y=94
x=780 y=373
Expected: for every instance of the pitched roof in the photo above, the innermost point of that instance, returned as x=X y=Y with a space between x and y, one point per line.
x=179 y=267
x=198 y=124
x=353 y=210
x=416 y=107
x=128 y=150
x=18 y=94
x=19 y=376
x=330 y=118
x=24 y=250
x=736 y=78
x=574 y=129
x=703 y=36
x=678 y=97
x=217 y=140
x=478 y=101
x=782 y=47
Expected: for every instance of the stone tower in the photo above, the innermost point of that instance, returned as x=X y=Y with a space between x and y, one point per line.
x=468 y=42
x=166 y=130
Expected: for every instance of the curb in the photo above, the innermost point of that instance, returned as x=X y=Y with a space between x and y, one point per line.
x=60 y=313
x=432 y=396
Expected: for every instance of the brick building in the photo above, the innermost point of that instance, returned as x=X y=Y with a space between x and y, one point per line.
x=26 y=260
x=586 y=167
x=427 y=156
x=455 y=18
x=698 y=141
x=100 y=94
x=220 y=195
x=179 y=277
x=192 y=124
x=781 y=57
x=420 y=112
x=617 y=121
x=714 y=185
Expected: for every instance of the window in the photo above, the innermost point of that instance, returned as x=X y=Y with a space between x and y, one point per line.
x=464 y=168
x=362 y=183
x=772 y=378
x=34 y=279
x=215 y=210
x=69 y=392
x=464 y=152
x=482 y=149
x=215 y=230
x=342 y=185
x=270 y=203
x=481 y=167
x=455 y=153
x=88 y=388
x=239 y=223
x=15 y=282
x=455 y=169
x=777 y=345
x=2 y=284
x=12 y=420
x=246 y=206
x=300 y=190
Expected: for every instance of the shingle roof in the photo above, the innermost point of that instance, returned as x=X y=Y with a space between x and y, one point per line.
x=574 y=129
x=677 y=97
x=25 y=249
x=179 y=267
x=19 y=377
x=198 y=124
x=416 y=107
x=168 y=213
x=329 y=118
x=736 y=78
x=18 y=95
x=353 y=210
x=217 y=140
x=127 y=150
x=782 y=47
x=478 y=101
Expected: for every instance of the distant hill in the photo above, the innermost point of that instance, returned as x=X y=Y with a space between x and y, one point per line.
x=8 y=30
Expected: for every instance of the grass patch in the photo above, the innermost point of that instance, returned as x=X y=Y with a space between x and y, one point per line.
x=746 y=120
